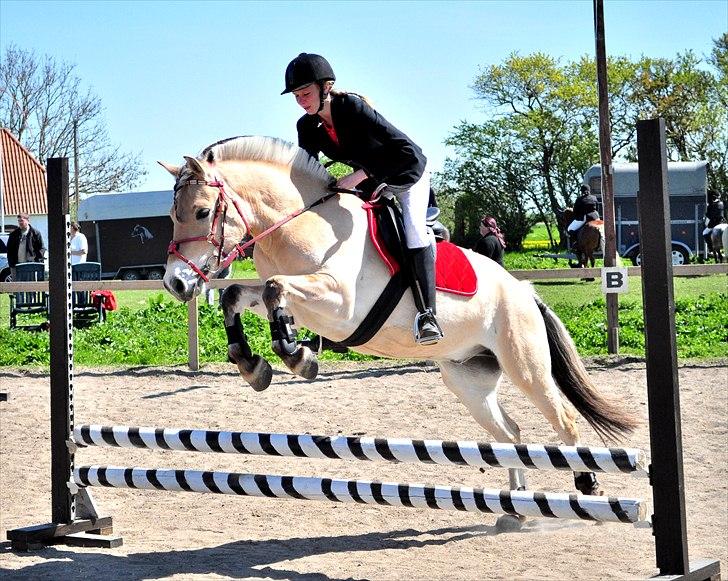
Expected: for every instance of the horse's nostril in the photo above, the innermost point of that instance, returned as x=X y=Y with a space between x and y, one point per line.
x=179 y=286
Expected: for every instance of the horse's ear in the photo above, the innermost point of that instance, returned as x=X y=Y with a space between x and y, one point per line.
x=194 y=164
x=173 y=169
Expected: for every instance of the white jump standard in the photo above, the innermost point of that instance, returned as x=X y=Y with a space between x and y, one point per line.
x=518 y=503
x=460 y=453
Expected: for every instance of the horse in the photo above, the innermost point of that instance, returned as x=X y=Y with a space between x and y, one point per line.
x=321 y=269
x=142 y=233
x=589 y=238
x=719 y=241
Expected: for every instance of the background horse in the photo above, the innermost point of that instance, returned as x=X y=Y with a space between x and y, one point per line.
x=719 y=241
x=589 y=238
x=313 y=250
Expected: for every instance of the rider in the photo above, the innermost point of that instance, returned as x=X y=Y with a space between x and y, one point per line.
x=346 y=128
x=714 y=215
x=585 y=210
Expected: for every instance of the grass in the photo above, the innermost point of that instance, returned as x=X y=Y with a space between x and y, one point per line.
x=150 y=328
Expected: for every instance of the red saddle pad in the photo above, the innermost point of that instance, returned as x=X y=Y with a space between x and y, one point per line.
x=453 y=271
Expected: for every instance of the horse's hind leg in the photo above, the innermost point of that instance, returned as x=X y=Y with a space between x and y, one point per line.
x=528 y=365
x=475 y=383
x=253 y=368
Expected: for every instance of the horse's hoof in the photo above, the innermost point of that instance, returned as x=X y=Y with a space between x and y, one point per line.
x=307 y=365
x=509 y=523
x=257 y=372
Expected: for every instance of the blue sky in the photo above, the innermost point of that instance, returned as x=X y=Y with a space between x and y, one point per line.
x=174 y=77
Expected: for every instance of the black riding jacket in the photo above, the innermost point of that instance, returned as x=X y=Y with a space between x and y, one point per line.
x=366 y=141
x=715 y=213
x=585 y=208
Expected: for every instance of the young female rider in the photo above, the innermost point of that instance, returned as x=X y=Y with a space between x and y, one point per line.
x=345 y=128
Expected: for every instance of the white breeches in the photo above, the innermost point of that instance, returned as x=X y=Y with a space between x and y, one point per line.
x=414 y=212
x=707 y=231
x=575 y=225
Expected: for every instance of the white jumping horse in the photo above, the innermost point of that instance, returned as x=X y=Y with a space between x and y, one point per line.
x=314 y=253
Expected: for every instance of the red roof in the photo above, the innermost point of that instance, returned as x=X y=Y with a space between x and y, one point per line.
x=23 y=178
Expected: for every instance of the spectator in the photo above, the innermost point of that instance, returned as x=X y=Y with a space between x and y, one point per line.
x=25 y=244
x=492 y=242
x=714 y=215
x=79 y=244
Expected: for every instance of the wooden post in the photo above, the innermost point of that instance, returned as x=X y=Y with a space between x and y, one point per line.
x=605 y=156
x=73 y=513
x=61 y=331
x=663 y=393
x=193 y=342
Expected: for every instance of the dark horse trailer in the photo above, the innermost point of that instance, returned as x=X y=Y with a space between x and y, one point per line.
x=128 y=233
x=687 y=184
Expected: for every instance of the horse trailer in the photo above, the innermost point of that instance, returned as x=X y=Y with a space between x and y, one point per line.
x=128 y=233
x=687 y=185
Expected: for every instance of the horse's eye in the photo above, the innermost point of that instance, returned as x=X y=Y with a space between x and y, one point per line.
x=202 y=213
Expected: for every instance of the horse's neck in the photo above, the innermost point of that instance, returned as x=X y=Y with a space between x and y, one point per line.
x=270 y=192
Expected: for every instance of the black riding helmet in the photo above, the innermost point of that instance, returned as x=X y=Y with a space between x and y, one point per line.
x=308 y=68
x=305 y=69
x=585 y=189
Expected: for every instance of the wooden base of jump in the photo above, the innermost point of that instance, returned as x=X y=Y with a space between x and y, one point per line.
x=80 y=533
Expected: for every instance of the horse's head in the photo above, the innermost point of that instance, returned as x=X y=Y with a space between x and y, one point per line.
x=208 y=227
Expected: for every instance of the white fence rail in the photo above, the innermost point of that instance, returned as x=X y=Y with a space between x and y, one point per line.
x=193 y=360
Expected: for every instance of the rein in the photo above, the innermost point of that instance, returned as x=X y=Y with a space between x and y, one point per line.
x=221 y=207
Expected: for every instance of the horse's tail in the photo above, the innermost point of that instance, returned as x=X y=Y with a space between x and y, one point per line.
x=607 y=418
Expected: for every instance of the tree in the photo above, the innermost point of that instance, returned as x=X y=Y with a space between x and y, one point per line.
x=490 y=176
x=42 y=100
x=545 y=118
x=541 y=132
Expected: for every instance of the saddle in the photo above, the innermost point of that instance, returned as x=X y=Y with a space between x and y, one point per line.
x=453 y=272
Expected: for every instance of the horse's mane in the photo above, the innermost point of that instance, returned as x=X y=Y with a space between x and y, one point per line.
x=267 y=149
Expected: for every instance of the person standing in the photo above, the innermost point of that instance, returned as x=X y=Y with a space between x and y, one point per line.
x=492 y=242
x=714 y=215
x=79 y=244
x=25 y=244
x=347 y=129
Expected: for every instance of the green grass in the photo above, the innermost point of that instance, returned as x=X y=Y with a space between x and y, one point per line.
x=150 y=328
x=537 y=239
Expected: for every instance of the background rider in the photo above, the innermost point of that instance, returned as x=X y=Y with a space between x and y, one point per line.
x=585 y=210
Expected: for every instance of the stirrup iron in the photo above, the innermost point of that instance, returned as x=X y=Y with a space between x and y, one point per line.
x=427 y=318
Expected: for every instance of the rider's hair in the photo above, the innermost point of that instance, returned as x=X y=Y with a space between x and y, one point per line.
x=362 y=97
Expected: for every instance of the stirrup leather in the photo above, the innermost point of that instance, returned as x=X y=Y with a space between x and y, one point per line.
x=427 y=318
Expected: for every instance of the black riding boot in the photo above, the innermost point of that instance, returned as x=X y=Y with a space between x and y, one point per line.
x=573 y=239
x=426 y=329
x=708 y=241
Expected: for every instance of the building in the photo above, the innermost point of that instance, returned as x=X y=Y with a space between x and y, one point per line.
x=22 y=185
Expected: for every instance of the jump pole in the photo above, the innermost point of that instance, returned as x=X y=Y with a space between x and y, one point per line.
x=663 y=391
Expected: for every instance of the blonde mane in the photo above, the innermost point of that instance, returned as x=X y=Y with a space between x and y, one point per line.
x=266 y=149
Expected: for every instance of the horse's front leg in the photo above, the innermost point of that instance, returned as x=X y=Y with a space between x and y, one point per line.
x=235 y=300
x=319 y=291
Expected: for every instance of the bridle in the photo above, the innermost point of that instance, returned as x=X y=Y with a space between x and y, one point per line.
x=221 y=207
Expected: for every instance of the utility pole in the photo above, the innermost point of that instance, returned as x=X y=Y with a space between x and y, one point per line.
x=605 y=156
x=74 y=209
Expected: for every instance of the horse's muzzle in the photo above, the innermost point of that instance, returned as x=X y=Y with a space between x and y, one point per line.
x=182 y=289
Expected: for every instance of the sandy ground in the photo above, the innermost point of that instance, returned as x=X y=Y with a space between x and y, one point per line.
x=193 y=536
